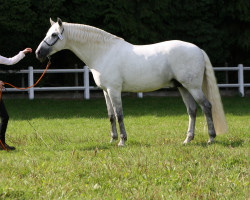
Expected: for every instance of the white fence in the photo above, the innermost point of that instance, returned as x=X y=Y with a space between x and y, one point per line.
x=30 y=71
x=86 y=87
x=240 y=85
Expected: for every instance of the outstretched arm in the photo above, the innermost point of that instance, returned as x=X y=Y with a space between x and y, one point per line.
x=15 y=59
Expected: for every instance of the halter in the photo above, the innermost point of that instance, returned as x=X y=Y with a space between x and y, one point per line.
x=59 y=36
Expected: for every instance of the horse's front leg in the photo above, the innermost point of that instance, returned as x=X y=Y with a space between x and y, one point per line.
x=111 y=115
x=115 y=98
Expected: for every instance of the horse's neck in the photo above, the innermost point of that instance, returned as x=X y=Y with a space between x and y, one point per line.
x=89 y=43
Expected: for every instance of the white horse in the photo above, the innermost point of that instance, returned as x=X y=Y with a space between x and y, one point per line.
x=119 y=66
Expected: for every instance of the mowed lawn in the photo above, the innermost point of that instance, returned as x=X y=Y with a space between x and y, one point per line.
x=68 y=155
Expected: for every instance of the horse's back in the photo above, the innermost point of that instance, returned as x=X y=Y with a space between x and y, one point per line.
x=173 y=52
x=144 y=67
x=150 y=67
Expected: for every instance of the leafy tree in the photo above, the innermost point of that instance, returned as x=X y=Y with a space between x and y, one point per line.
x=220 y=27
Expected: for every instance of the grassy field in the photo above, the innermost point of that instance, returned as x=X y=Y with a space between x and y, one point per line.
x=69 y=157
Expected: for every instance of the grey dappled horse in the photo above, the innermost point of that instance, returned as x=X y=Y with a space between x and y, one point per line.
x=119 y=66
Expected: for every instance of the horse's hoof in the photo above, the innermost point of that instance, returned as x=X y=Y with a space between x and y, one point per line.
x=188 y=139
x=121 y=143
x=210 y=141
x=185 y=142
x=113 y=140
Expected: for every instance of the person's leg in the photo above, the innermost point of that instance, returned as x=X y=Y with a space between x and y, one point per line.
x=3 y=126
x=4 y=121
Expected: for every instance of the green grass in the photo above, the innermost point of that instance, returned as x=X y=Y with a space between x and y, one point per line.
x=77 y=161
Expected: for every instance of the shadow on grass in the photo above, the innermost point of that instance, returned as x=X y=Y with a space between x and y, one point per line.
x=96 y=108
x=138 y=143
x=106 y=146
x=200 y=143
x=133 y=143
x=228 y=143
x=97 y=147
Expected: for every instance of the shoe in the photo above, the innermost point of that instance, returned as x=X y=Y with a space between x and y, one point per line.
x=9 y=148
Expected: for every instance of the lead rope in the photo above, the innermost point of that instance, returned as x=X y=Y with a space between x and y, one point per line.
x=5 y=83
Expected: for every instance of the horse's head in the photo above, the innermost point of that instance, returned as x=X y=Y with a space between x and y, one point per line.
x=52 y=42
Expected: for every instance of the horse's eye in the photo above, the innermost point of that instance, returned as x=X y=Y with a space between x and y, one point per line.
x=54 y=35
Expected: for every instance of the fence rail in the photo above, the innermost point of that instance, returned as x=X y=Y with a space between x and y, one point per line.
x=240 y=85
x=86 y=87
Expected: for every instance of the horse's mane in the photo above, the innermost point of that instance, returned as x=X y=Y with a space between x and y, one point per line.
x=80 y=31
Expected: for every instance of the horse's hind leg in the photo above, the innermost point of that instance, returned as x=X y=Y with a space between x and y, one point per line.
x=191 y=110
x=111 y=115
x=115 y=98
x=206 y=107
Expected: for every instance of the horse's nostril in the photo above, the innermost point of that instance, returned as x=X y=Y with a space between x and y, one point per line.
x=38 y=54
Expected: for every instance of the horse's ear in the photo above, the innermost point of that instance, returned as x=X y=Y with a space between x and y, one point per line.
x=51 y=21
x=59 y=21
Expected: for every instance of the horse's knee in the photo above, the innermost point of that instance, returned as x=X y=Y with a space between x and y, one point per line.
x=192 y=111
x=114 y=135
x=120 y=118
x=112 y=119
x=122 y=127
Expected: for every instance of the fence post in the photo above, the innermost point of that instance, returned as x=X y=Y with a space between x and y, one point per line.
x=22 y=82
x=86 y=82
x=140 y=95
x=76 y=80
x=241 y=80
x=31 y=82
x=226 y=65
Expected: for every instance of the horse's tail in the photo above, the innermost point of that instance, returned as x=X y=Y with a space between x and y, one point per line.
x=212 y=92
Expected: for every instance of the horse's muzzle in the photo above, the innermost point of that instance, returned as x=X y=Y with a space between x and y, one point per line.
x=42 y=52
x=41 y=55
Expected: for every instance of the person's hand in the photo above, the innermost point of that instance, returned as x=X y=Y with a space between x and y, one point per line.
x=27 y=50
x=2 y=84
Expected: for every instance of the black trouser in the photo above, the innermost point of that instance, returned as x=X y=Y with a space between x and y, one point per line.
x=4 y=121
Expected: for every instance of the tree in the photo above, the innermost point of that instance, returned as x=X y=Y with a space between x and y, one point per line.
x=220 y=27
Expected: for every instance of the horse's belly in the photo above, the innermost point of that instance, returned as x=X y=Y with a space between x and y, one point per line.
x=142 y=83
x=140 y=88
